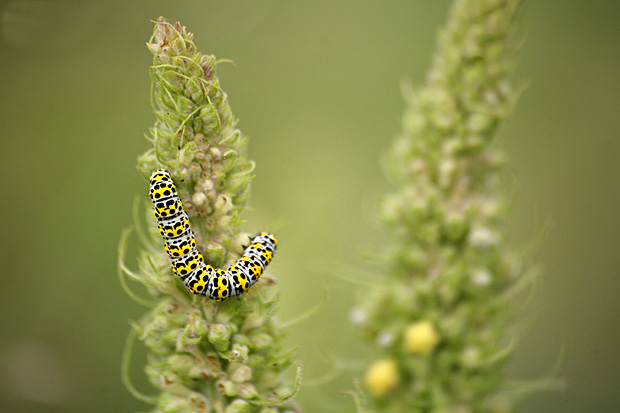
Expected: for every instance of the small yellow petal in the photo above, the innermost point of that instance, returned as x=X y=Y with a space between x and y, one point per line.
x=421 y=337
x=382 y=377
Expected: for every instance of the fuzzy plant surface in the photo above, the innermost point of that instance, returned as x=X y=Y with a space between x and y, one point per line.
x=440 y=319
x=202 y=355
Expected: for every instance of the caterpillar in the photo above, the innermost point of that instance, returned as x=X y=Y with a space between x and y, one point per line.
x=188 y=263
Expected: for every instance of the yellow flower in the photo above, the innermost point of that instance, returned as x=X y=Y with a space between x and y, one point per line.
x=382 y=377
x=421 y=337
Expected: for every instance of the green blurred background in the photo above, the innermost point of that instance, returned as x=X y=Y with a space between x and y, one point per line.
x=315 y=86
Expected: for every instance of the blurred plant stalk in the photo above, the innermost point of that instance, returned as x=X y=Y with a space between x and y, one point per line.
x=440 y=318
x=202 y=355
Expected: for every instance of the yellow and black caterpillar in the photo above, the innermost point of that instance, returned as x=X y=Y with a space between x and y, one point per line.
x=188 y=263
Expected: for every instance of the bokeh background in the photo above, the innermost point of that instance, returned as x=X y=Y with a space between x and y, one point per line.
x=316 y=86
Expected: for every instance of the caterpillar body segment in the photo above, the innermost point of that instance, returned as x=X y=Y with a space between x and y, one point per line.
x=188 y=263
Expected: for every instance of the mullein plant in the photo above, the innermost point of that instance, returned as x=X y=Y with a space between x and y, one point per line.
x=202 y=355
x=439 y=319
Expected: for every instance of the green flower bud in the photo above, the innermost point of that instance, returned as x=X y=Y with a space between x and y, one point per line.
x=213 y=363
x=181 y=363
x=189 y=339
x=219 y=336
x=199 y=402
x=260 y=341
x=246 y=390
x=226 y=387
x=238 y=354
x=240 y=373
x=239 y=406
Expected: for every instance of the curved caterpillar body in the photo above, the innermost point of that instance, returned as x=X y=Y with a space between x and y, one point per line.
x=188 y=263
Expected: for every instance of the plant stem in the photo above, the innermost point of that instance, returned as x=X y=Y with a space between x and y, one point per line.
x=202 y=355
x=439 y=319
